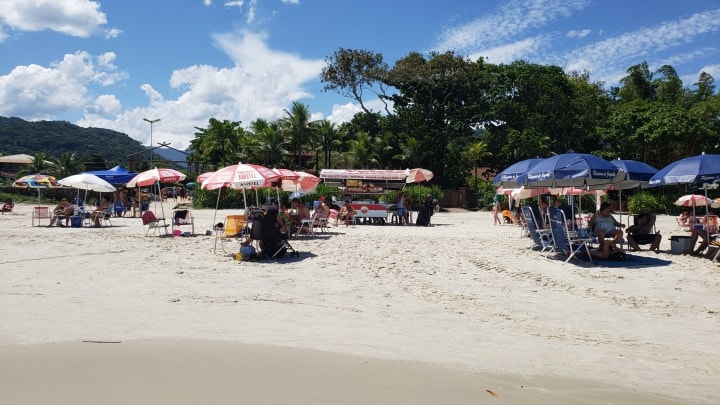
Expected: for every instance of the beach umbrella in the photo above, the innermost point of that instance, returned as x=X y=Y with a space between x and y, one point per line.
x=305 y=183
x=635 y=175
x=202 y=176
x=156 y=175
x=571 y=170
x=418 y=175
x=38 y=181
x=694 y=200
x=508 y=177
x=700 y=171
x=87 y=182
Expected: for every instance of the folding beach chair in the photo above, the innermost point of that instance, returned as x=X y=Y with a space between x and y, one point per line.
x=565 y=243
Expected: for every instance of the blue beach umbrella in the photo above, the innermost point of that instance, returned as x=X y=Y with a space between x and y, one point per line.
x=572 y=170
x=636 y=175
x=508 y=177
x=696 y=171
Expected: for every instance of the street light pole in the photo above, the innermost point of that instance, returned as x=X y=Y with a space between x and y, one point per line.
x=151 y=143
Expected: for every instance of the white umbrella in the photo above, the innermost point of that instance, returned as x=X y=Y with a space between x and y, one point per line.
x=87 y=181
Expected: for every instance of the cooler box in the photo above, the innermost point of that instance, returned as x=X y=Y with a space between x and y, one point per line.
x=76 y=221
x=679 y=244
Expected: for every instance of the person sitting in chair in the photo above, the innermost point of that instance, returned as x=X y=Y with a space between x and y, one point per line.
x=63 y=209
x=347 y=213
x=267 y=228
x=100 y=212
x=7 y=206
x=605 y=225
x=642 y=233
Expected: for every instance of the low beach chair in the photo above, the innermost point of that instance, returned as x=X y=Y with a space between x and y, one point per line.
x=543 y=241
x=565 y=243
x=153 y=223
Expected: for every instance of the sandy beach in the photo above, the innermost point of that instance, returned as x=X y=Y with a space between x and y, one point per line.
x=454 y=313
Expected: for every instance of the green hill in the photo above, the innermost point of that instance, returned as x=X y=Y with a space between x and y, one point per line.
x=57 y=137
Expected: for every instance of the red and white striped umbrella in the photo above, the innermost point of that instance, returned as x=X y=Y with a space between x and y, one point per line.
x=240 y=176
x=418 y=175
x=158 y=174
x=694 y=200
x=202 y=176
x=304 y=181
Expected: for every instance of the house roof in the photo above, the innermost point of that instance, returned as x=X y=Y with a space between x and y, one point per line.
x=20 y=159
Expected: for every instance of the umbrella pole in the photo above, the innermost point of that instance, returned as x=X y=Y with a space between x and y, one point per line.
x=217 y=205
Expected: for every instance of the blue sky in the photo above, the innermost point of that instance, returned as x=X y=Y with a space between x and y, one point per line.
x=111 y=64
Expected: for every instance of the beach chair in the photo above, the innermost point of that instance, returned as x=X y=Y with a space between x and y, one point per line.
x=183 y=218
x=234 y=229
x=543 y=240
x=565 y=243
x=153 y=223
x=39 y=214
x=306 y=224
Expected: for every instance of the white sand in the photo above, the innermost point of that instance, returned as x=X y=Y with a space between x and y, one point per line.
x=461 y=295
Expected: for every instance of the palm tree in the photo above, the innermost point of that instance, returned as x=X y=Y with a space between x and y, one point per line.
x=40 y=164
x=329 y=139
x=66 y=165
x=476 y=152
x=218 y=144
x=268 y=143
x=362 y=149
x=297 y=131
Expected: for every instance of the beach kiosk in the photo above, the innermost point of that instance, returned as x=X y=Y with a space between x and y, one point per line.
x=368 y=183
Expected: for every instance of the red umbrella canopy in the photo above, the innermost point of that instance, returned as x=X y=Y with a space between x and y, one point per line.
x=694 y=200
x=149 y=177
x=240 y=176
x=253 y=176
x=202 y=176
x=418 y=175
x=303 y=182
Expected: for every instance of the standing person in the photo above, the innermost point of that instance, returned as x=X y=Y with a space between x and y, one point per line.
x=426 y=211
x=401 y=208
x=496 y=210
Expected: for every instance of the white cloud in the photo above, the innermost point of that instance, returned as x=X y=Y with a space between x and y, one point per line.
x=261 y=84
x=79 y=18
x=512 y=19
x=608 y=59
x=578 y=34
x=37 y=92
x=511 y=52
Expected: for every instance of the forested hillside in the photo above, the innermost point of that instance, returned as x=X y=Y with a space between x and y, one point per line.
x=57 y=137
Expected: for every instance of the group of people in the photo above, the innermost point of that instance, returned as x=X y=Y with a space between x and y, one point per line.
x=65 y=210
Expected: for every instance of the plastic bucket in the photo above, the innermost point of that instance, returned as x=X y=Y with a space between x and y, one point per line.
x=76 y=221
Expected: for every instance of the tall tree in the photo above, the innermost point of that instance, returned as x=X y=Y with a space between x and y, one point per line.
x=352 y=72
x=218 y=144
x=298 y=132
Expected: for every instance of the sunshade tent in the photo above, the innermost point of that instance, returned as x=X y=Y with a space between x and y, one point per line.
x=116 y=175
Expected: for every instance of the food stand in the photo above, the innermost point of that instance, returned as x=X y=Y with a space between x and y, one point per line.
x=369 y=183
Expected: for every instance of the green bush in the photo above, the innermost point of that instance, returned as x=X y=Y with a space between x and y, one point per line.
x=643 y=202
